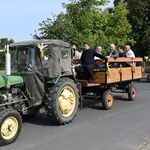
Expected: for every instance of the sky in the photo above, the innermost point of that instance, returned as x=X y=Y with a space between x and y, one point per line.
x=20 y=18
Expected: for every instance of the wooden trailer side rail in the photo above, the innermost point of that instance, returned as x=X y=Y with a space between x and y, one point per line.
x=114 y=75
x=118 y=60
x=119 y=74
x=125 y=59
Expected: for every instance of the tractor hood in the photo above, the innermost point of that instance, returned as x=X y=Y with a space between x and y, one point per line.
x=12 y=79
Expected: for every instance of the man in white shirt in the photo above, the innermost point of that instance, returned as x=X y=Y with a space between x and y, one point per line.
x=129 y=52
x=98 y=50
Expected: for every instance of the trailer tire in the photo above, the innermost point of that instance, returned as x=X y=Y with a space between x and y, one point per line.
x=148 y=77
x=107 y=100
x=10 y=126
x=131 y=93
x=62 y=101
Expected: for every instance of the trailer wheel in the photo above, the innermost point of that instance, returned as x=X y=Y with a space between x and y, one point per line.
x=131 y=93
x=62 y=101
x=148 y=77
x=107 y=100
x=10 y=126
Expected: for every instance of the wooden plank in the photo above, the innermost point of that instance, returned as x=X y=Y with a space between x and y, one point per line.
x=119 y=59
x=76 y=61
x=83 y=82
x=99 y=61
x=86 y=84
x=126 y=73
x=125 y=59
x=92 y=84
x=138 y=73
x=99 y=77
x=114 y=75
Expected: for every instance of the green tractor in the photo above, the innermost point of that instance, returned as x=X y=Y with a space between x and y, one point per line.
x=38 y=74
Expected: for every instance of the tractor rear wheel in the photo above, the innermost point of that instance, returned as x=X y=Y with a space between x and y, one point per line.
x=62 y=101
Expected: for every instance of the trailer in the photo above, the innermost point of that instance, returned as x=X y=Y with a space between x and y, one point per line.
x=108 y=80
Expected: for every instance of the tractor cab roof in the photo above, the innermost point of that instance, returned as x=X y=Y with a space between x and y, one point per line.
x=36 y=42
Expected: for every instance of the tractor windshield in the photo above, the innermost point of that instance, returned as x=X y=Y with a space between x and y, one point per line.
x=23 y=59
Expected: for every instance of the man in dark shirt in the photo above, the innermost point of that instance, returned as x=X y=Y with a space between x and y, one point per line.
x=121 y=52
x=87 y=64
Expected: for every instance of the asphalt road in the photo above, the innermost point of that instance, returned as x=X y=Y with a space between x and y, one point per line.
x=125 y=127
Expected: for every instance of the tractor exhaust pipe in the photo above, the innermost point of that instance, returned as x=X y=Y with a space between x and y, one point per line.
x=7 y=66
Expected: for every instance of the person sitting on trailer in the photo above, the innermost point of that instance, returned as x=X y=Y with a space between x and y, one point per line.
x=129 y=54
x=114 y=54
x=122 y=54
x=87 y=64
x=98 y=50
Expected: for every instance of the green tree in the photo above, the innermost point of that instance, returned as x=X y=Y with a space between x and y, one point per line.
x=3 y=42
x=139 y=18
x=57 y=28
x=85 y=21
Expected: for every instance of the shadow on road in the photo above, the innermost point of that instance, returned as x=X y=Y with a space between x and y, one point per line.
x=91 y=102
x=40 y=119
x=94 y=103
x=121 y=97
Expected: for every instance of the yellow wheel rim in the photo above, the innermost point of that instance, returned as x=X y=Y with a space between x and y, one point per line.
x=9 y=128
x=109 y=100
x=67 y=101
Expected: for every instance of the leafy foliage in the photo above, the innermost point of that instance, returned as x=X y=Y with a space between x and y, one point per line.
x=139 y=18
x=85 y=21
x=58 y=28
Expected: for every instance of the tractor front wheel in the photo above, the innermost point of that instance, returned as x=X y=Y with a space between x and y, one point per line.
x=10 y=126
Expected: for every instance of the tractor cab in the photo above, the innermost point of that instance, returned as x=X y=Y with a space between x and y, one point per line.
x=39 y=62
x=37 y=55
